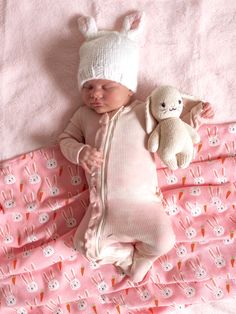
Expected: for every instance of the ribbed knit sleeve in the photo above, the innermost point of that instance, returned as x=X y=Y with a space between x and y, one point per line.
x=71 y=141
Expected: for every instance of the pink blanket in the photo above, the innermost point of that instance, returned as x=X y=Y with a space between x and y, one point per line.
x=43 y=198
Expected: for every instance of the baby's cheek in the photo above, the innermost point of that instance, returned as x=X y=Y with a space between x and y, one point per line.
x=85 y=98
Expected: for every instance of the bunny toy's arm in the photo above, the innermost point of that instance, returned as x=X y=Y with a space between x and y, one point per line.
x=153 y=141
x=193 y=133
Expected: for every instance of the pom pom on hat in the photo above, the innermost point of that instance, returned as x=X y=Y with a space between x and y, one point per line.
x=110 y=55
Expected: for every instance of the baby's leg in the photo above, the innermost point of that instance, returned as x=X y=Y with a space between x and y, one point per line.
x=146 y=253
x=119 y=254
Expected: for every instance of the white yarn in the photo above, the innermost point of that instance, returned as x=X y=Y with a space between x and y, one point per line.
x=108 y=55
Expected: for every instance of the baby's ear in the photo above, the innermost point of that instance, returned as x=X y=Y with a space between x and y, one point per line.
x=87 y=26
x=133 y=25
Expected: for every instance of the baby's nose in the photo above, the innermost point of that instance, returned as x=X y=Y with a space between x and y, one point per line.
x=96 y=93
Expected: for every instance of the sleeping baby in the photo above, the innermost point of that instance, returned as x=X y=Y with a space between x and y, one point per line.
x=125 y=223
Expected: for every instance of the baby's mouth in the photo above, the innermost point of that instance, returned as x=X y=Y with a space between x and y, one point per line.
x=96 y=104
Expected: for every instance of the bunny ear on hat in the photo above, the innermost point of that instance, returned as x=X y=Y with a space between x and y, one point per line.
x=87 y=26
x=108 y=54
x=133 y=25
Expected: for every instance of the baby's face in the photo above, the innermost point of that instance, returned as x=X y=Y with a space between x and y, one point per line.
x=105 y=95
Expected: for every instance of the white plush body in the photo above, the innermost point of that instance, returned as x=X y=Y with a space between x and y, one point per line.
x=172 y=138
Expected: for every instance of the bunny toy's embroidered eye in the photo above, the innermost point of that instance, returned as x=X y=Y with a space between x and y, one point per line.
x=163 y=105
x=179 y=101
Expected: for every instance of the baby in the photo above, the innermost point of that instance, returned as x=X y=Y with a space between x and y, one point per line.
x=125 y=223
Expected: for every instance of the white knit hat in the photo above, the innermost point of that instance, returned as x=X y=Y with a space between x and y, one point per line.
x=110 y=55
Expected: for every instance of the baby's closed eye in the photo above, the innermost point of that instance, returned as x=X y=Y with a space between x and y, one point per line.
x=110 y=86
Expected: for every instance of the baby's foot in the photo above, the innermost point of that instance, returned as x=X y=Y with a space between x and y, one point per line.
x=125 y=265
x=139 y=268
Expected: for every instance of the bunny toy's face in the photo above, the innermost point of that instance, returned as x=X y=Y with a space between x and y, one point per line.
x=166 y=103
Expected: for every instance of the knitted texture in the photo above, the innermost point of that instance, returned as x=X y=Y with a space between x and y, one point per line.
x=171 y=138
x=110 y=55
x=119 y=194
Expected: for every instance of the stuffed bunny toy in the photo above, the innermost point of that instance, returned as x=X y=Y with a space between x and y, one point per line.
x=172 y=138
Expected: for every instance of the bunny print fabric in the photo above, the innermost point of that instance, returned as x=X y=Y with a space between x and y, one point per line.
x=44 y=198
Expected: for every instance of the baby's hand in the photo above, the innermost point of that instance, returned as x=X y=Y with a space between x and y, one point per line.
x=207 y=111
x=90 y=157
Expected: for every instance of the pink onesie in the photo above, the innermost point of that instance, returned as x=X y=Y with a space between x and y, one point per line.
x=125 y=223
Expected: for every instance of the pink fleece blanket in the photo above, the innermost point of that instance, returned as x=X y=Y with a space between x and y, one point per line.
x=43 y=199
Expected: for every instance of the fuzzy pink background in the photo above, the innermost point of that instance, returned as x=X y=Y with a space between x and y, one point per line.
x=189 y=44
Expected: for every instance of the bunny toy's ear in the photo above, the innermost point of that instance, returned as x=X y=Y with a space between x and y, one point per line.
x=150 y=122
x=133 y=25
x=87 y=26
x=189 y=97
x=192 y=111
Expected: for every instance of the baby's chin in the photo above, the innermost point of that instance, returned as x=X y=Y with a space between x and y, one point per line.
x=103 y=109
x=100 y=109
